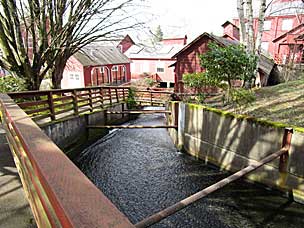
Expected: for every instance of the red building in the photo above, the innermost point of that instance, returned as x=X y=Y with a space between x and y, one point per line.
x=155 y=60
x=96 y=65
x=187 y=59
x=283 y=27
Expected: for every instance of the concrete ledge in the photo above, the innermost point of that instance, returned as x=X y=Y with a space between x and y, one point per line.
x=232 y=143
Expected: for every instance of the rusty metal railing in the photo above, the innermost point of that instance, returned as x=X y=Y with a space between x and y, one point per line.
x=282 y=153
x=60 y=195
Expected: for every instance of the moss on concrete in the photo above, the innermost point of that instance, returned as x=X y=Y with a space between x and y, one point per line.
x=252 y=119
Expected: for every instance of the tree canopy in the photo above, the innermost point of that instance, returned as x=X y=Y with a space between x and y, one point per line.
x=228 y=63
x=38 y=36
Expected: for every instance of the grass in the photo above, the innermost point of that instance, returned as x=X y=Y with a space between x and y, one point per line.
x=281 y=103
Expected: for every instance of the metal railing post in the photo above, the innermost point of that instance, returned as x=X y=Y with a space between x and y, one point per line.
x=286 y=142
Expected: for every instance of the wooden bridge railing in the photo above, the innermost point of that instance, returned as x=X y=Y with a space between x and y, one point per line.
x=151 y=97
x=60 y=195
x=57 y=104
x=60 y=103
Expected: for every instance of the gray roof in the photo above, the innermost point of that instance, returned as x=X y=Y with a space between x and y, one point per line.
x=100 y=55
x=158 y=51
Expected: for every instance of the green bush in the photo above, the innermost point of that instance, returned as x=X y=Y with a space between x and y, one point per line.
x=11 y=84
x=131 y=102
x=149 y=81
x=242 y=97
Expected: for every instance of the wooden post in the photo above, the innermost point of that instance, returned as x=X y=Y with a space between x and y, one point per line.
x=286 y=142
x=116 y=92
x=75 y=105
x=101 y=97
x=123 y=109
x=123 y=95
x=110 y=95
x=90 y=100
x=151 y=98
x=51 y=106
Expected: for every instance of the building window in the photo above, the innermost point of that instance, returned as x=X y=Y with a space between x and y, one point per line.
x=102 y=70
x=265 y=45
x=287 y=24
x=73 y=76
x=267 y=25
x=160 y=70
x=160 y=67
x=115 y=68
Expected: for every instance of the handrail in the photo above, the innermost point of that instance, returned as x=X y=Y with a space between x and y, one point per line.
x=282 y=153
x=49 y=105
x=59 y=194
x=56 y=104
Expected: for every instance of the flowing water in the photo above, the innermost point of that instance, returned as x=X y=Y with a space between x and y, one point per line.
x=141 y=172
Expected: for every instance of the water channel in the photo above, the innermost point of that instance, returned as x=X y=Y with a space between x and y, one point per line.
x=142 y=172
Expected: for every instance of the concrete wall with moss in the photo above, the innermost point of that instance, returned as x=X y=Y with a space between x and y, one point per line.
x=73 y=129
x=235 y=141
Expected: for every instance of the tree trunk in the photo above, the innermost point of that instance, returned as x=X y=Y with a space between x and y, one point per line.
x=250 y=38
x=57 y=72
x=260 y=27
x=240 y=9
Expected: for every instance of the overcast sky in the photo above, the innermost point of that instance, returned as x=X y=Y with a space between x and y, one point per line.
x=191 y=17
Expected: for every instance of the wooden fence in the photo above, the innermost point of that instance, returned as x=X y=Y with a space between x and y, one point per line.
x=58 y=104
x=50 y=105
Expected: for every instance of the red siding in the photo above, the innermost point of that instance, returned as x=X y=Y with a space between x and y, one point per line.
x=189 y=62
x=126 y=43
x=275 y=49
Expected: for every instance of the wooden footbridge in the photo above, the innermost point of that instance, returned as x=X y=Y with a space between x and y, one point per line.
x=59 y=194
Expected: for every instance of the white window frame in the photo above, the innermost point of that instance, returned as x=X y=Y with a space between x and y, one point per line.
x=160 y=65
x=265 y=45
x=160 y=69
x=74 y=76
x=267 y=25
x=287 y=24
x=114 y=68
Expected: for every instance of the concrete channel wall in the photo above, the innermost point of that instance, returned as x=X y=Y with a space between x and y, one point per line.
x=73 y=130
x=233 y=142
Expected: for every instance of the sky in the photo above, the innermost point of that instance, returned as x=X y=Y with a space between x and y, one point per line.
x=191 y=17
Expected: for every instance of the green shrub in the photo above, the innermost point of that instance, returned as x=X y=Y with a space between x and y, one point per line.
x=131 y=102
x=11 y=84
x=242 y=97
x=149 y=81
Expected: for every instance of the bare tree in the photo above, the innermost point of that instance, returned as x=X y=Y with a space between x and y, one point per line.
x=37 y=37
x=240 y=9
x=260 y=26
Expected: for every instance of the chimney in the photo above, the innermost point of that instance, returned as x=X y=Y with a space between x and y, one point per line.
x=185 y=39
x=231 y=31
